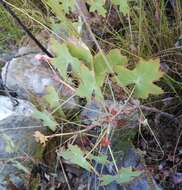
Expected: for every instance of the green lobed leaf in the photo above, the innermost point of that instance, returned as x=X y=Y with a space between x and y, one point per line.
x=64 y=59
x=98 y=5
x=68 y=5
x=66 y=27
x=100 y=69
x=114 y=57
x=56 y=7
x=65 y=56
x=101 y=158
x=88 y=84
x=75 y=155
x=123 y=6
x=52 y=98
x=81 y=53
x=63 y=29
x=46 y=118
x=124 y=175
x=143 y=76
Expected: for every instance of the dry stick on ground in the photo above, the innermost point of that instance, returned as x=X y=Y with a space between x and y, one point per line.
x=65 y=176
x=175 y=149
x=155 y=110
x=152 y=132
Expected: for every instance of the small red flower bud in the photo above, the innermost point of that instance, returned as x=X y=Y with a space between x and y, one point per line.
x=105 y=141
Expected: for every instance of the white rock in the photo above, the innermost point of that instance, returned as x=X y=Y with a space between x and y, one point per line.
x=24 y=108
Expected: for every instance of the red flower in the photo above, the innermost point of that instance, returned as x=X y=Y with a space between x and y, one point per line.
x=105 y=141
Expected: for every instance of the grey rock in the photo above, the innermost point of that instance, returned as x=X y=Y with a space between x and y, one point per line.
x=26 y=76
x=5 y=57
x=29 y=77
x=130 y=159
x=17 y=128
x=17 y=132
